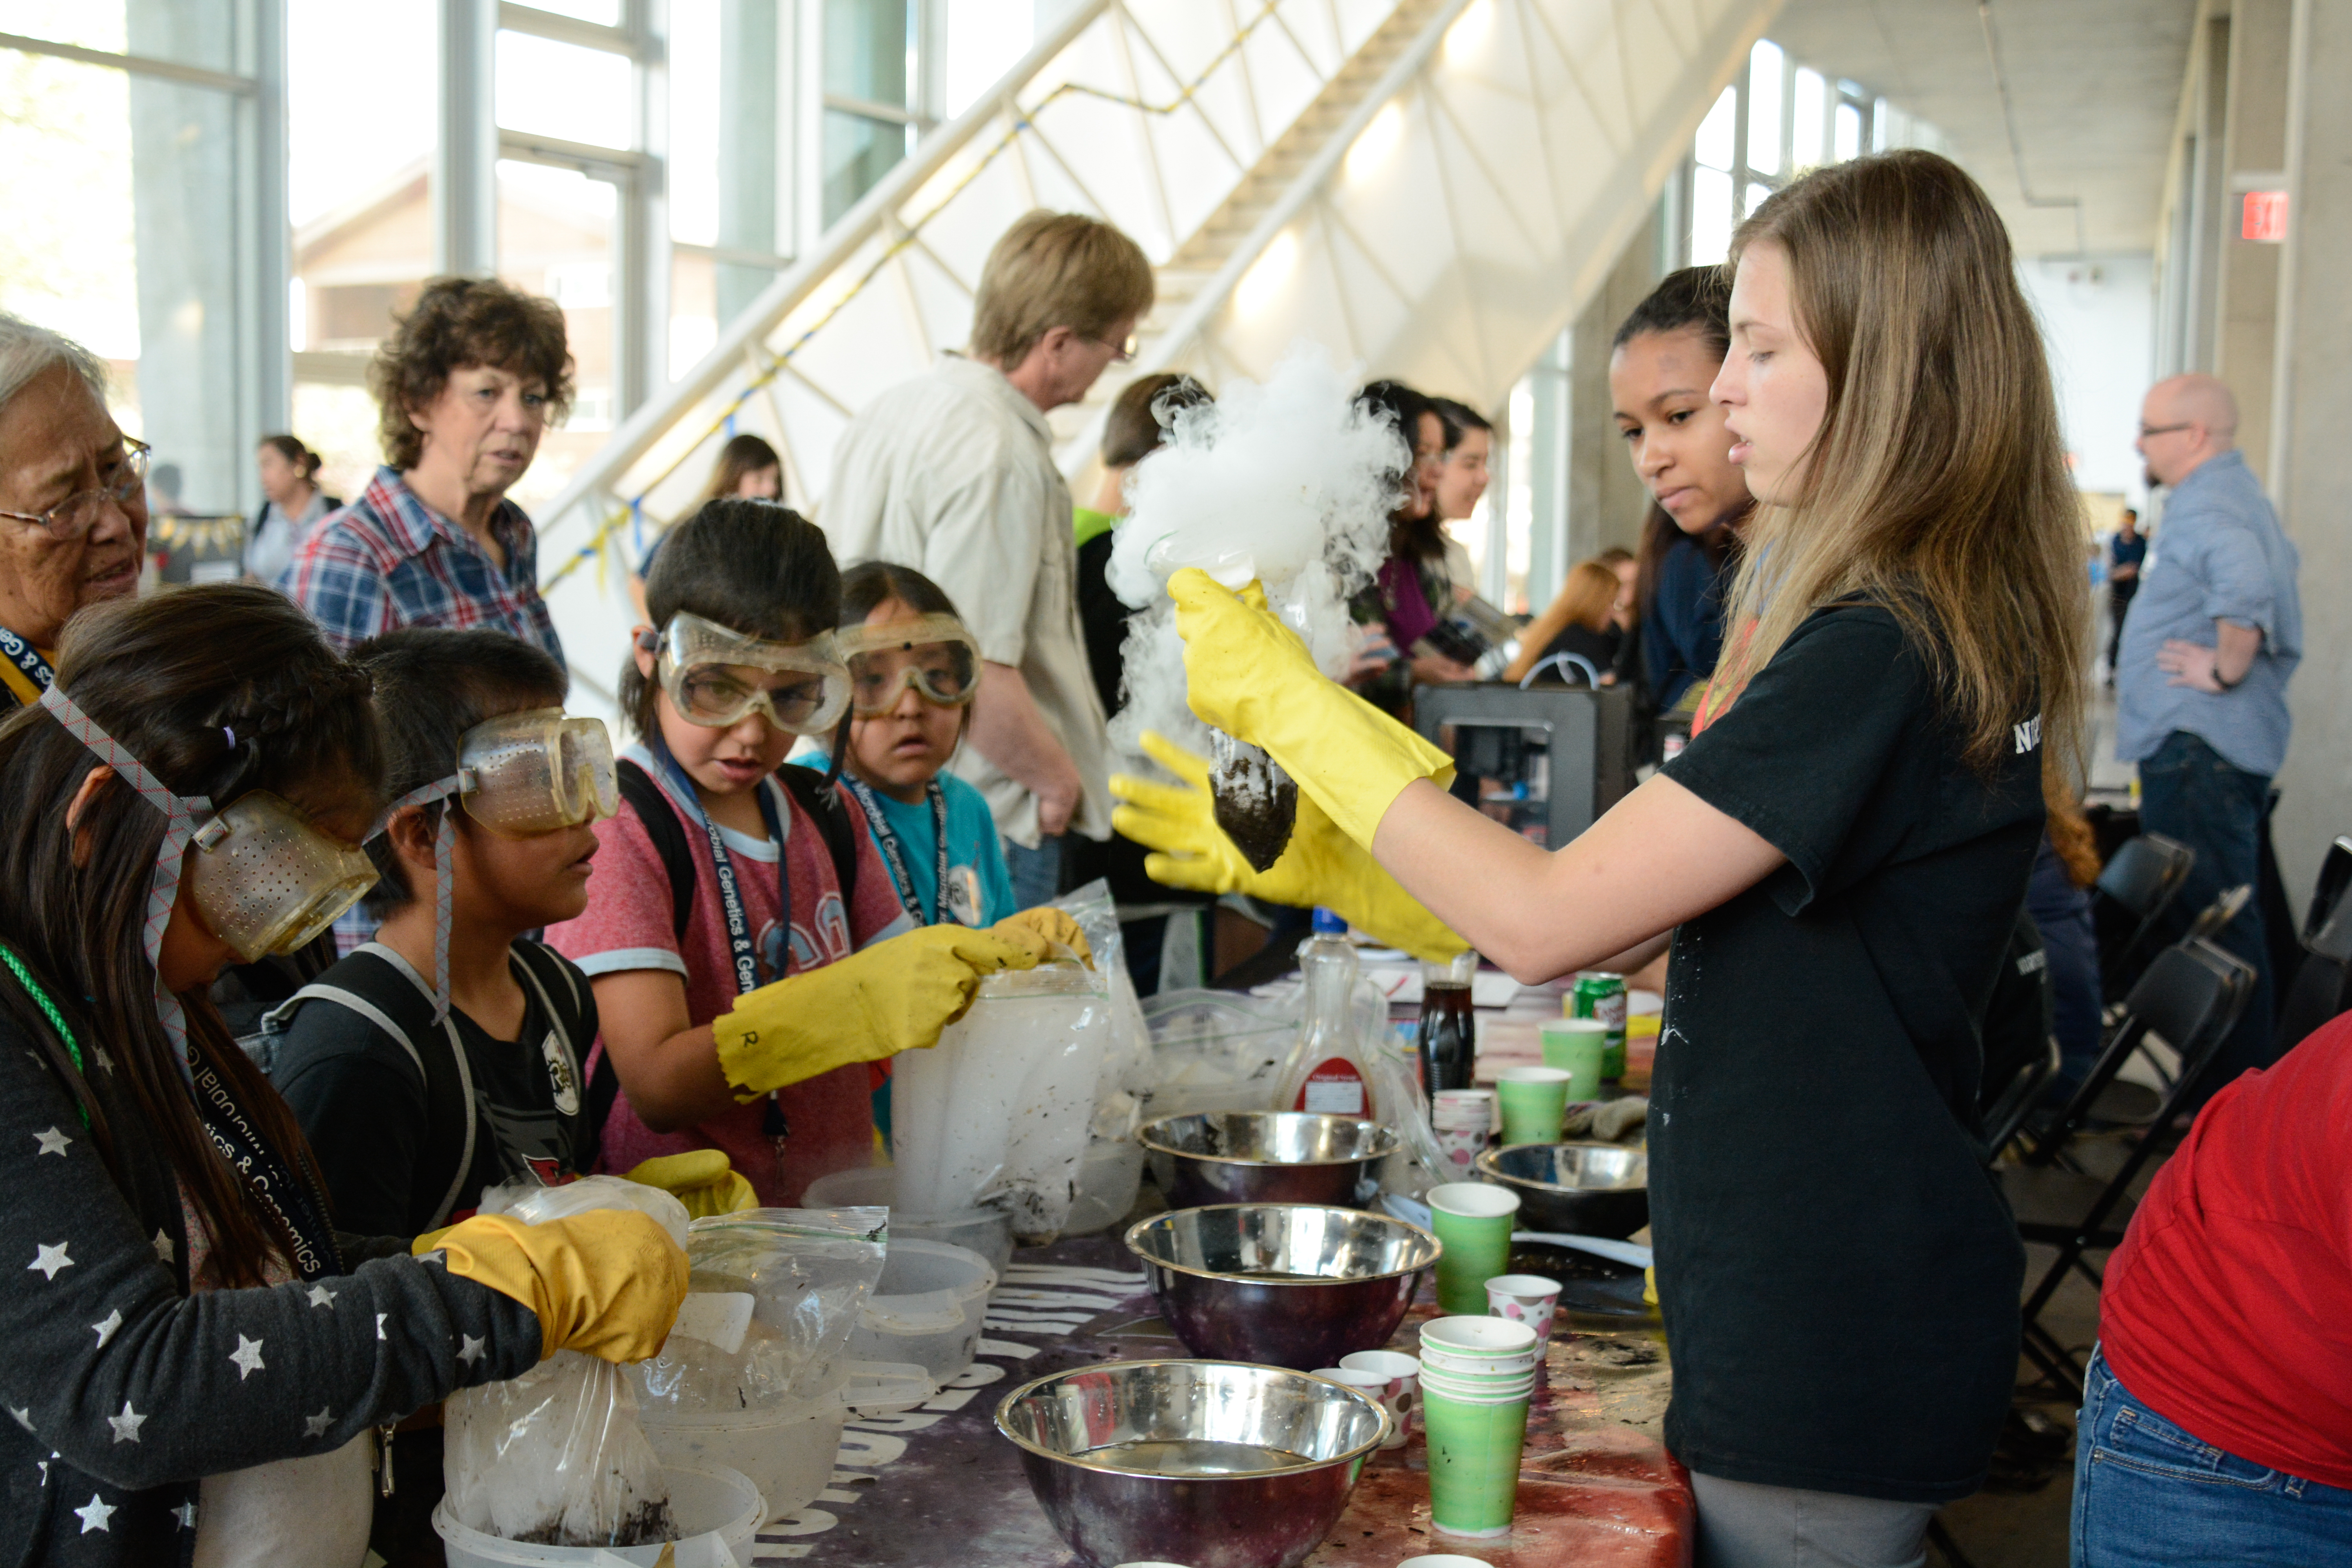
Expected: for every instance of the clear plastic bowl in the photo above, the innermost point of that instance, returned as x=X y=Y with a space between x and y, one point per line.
x=712 y=1505
x=987 y=1231
x=927 y=1308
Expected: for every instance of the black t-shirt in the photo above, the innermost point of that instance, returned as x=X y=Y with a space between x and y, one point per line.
x=361 y=1104
x=1838 y=1272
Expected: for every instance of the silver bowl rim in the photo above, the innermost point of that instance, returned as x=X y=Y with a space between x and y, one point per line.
x=1436 y=1249
x=1488 y=1166
x=1394 y=1142
x=1080 y=1461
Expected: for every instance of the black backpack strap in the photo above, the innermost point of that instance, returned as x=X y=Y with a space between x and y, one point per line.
x=669 y=835
x=557 y=986
x=378 y=984
x=821 y=799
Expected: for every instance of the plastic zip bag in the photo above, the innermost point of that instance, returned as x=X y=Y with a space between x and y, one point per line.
x=772 y=1299
x=556 y=1456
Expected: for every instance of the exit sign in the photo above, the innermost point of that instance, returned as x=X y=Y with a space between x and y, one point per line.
x=2265 y=216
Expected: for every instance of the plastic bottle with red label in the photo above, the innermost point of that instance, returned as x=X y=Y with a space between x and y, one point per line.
x=1326 y=1072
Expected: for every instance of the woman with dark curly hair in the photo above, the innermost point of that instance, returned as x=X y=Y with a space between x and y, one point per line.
x=466 y=386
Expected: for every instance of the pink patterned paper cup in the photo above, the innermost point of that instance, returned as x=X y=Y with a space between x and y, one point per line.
x=1528 y=1299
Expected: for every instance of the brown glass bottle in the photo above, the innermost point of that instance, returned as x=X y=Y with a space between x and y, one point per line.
x=1449 y=1035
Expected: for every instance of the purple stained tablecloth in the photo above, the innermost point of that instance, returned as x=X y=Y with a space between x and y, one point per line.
x=938 y=1488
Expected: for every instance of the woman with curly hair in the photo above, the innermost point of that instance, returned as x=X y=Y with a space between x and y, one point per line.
x=466 y=386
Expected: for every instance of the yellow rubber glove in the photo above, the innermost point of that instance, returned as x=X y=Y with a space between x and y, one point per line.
x=1248 y=674
x=1042 y=930
x=701 y=1179
x=895 y=996
x=607 y=1282
x=1320 y=865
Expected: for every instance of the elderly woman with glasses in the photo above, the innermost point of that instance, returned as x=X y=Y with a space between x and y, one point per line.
x=73 y=499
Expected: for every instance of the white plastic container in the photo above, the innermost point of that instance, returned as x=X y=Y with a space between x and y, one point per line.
x=986 y=1229
x=927 y=1308
x=717 y=1510
x=786 y=1451
x=1108 y=1178
x=999 y=1108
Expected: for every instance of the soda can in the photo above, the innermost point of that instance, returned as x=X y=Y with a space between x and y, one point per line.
x=1602 y=996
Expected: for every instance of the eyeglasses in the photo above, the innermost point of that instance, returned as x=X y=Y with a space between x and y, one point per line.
x=2148 y=430
x=76 y=515
x=1121 y=352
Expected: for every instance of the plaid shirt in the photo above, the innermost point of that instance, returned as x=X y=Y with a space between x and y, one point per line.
x=388 y=561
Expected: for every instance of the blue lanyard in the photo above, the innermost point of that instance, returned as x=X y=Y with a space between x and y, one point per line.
x=893 y=857
x=27 y=657
x=742 y=952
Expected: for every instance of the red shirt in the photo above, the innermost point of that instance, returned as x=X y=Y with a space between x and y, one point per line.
x=2228 y=1310
x=626 y=926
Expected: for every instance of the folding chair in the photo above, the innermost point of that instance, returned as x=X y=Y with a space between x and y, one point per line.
x=2191 y=995
x=2138 y=883
x=2322 y=986
x=2005 y=1113
x=2135 y=1104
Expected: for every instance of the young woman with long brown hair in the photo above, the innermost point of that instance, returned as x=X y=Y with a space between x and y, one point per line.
x=194 y=1352
x=1837 y=857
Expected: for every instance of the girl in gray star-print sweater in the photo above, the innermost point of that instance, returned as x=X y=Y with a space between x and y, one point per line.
x=174 y=1304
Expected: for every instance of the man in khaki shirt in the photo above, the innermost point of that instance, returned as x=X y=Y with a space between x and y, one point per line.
x=952 y=473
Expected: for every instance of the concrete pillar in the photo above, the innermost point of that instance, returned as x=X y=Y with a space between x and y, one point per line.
x=1606 y=500
x=2211 y=67
x=750 y=88
x=2253 y=143
x=2313 y=408
x=1547 y=472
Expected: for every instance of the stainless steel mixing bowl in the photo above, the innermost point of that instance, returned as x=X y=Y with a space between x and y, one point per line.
x=1207 y=1463
x=1295 y=1285
x=1267 y=1157
x=1583 y=1189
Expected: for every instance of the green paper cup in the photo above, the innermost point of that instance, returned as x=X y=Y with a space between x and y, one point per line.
x=1535 y=1101
x=1474 y=1222
x=1474 y=1460
x=1574 y=1047
x=1493 y=1339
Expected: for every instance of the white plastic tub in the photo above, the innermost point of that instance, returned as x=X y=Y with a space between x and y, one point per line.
x=987 y=1230
x=927 y=1308
x=717 y=1511
x=786 y=1451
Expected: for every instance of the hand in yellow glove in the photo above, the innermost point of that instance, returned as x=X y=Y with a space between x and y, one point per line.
x=895 y=996
x=607 y=1282
x=1042 y=930
x=701 y=1179
x=1320 y=865
x=1248 y=674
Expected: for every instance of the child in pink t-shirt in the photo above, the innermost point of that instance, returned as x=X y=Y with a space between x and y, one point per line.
x=748 y=1029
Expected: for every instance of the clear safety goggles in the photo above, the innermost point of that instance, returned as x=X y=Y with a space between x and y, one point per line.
x=718 y=678
x=536 y=772
x=935 y=655
x=266 y=882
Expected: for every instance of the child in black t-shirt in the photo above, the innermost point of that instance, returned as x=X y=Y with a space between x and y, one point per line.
x=447 y=1055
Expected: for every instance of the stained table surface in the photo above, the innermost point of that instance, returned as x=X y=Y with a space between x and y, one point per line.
x=938 y=1488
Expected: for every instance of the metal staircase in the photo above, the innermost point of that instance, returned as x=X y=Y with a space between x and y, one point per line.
x=1431 y=187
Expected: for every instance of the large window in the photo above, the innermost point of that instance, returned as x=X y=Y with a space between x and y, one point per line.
x=139 y=172
x=1777 y=120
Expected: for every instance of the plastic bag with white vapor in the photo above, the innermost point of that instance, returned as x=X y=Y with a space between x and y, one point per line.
x=1290 y=483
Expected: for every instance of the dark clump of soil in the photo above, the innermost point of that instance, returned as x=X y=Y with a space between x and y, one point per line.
x=1257 y=802
x=648 y=1525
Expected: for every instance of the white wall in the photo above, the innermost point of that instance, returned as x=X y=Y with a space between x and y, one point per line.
x=2098 y=320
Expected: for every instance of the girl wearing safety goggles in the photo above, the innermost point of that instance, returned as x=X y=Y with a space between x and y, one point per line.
x=191 y=791
x=913 y=671
x=743 y=978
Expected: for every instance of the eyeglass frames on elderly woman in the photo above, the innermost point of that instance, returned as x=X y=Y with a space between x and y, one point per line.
x=76 y=515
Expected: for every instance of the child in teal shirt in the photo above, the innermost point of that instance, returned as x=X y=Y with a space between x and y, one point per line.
x=913 y=670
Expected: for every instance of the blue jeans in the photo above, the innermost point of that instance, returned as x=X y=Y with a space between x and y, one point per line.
x=2187 y=793
x=1037 y=873
x=2147 y=1493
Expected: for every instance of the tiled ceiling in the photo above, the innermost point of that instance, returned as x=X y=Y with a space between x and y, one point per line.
x=2094 y=86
